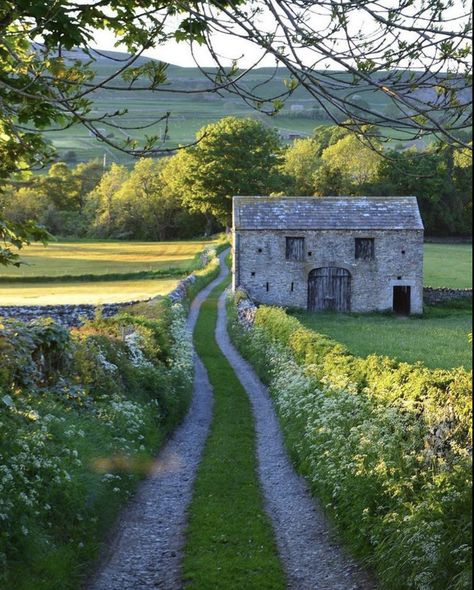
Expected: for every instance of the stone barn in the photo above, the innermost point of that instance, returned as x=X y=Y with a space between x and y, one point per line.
x=345 y=254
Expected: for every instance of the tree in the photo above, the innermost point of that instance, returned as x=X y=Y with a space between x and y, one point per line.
x=232 y=157
x=301 y=160
x=442 y=187
x=101 y=206
x=415 y=54
x=145 y=207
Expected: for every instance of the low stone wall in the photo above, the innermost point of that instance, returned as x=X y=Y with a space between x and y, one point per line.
x=68 y=315
x=432 y=295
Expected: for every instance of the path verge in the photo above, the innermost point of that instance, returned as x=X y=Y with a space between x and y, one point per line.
x=146 y=547
x=312 y=558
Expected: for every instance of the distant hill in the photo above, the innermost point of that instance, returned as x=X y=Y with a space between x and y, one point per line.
x=189 y=112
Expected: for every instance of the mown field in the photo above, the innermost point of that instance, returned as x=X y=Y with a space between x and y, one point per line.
x=104 y=257
x=94 y=292
x=438 y=338
x=70 y=272
x=448 y=265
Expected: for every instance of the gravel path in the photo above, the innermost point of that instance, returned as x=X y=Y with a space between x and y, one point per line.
x=146 y=547
x=312 y=558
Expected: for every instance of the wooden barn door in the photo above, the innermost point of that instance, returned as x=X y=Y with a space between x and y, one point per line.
x=329 y=289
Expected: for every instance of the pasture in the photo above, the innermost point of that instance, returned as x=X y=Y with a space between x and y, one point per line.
x=75 y=293
x=438 y=338
x=104 y=257
x=448 y=265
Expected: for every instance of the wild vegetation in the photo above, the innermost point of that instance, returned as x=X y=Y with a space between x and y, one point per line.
x=384 y=445
x=82 y=414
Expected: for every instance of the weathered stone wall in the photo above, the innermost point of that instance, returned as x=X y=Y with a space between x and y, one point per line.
x=433 y=295
x=68 y=315
x=261 y=268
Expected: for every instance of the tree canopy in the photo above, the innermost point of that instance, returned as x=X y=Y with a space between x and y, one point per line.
x=232 y=157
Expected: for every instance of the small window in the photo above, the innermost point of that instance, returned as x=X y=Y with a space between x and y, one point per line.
x=295 y=248
x=310 y=253
x=364 y=248
x=292 y=287
x=259 y=250
x=252 y=273
x=267 y=287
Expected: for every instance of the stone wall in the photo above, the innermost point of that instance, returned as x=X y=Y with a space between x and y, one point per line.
x=68 y=315
x=261 y=268
x=432 y=295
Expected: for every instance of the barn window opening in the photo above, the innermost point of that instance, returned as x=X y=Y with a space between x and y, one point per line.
x=292 y=286
x=364 y=248
x=267 y=286
x=399 y=278
x=310 y=253
x=252 y=274
x=259 y=250
x=403 y=251
x=294 y=248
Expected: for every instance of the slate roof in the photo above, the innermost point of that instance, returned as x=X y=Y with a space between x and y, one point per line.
x=305 y=213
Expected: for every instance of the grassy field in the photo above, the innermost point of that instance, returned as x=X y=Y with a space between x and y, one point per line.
x=448 y=265
x=104 y=257
x=438 y=338
x=96 y=292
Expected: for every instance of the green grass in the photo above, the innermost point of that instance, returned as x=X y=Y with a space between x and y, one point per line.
x=104 y=257
x=448 y=265
x=438 y=338
x=229 y=538
x=94 y=292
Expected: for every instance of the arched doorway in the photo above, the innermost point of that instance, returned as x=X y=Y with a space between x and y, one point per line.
x=329 y=289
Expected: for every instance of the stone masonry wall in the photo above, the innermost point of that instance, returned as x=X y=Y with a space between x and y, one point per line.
x=261 y=268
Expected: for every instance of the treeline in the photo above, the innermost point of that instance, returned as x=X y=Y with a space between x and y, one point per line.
x=190 y=193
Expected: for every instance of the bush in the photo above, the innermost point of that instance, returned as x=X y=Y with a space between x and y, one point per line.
x=384 y=445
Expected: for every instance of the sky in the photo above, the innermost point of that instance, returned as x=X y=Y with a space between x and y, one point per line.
x=232 y=47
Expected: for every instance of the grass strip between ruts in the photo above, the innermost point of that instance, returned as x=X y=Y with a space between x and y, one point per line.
x=230 y=542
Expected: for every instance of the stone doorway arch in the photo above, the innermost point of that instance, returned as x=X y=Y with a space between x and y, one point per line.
x=329 y=289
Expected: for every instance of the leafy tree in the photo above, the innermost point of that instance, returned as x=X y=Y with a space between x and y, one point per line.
x=100 y=206
x=233 y=157
x=146 y=209
x=443 y=188
x=301 y=160
x=347 y=167
x=87 y=175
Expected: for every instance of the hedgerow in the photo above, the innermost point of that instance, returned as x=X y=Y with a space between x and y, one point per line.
x=81 y=415
x=386 y=446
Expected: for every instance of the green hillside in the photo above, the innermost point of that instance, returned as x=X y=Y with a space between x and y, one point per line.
x=189 y=112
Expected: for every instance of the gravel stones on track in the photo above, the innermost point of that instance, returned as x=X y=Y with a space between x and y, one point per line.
x=311 y=556
x=146 y=547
